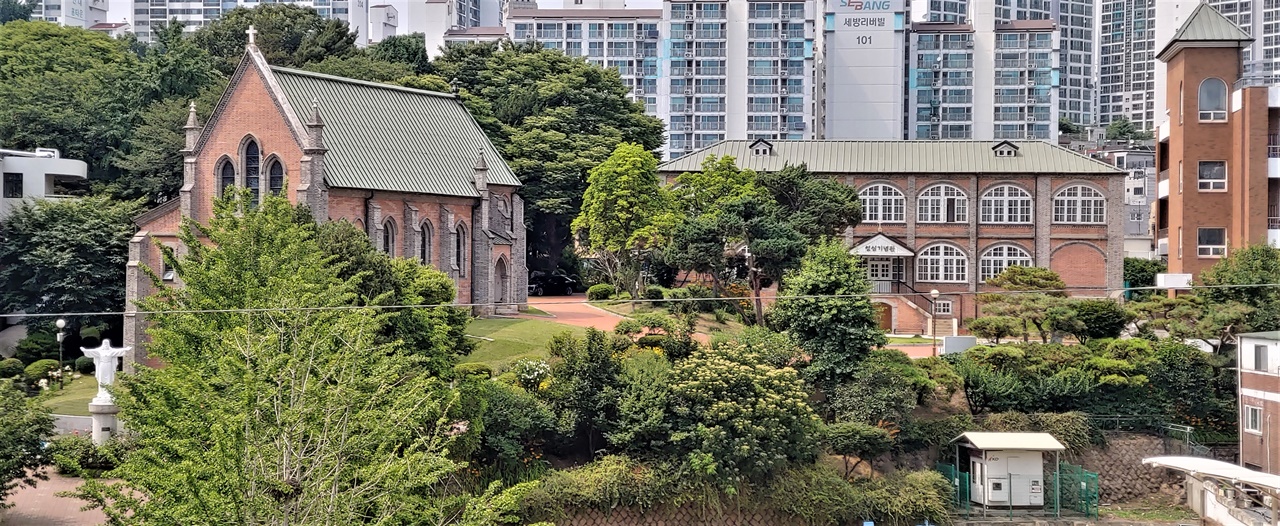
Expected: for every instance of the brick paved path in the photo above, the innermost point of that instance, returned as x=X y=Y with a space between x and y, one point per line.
x=41 y=506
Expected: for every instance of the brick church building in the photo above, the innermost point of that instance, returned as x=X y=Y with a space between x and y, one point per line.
x=410 y=167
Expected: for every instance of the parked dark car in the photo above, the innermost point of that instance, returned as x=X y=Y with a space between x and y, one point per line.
x=555 y=284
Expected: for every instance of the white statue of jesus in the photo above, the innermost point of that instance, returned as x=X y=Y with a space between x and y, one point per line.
x=104 y=368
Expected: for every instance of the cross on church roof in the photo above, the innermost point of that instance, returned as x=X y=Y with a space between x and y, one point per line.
x=251 y=32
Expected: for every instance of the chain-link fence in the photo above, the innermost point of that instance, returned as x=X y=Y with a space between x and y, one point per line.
x=1070 y=490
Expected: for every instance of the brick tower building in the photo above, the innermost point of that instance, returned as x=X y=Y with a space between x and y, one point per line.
x=410 y=167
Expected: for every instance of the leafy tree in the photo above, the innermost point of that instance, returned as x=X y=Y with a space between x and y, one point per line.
x=515 y=421
x=1141 y=272
x=66 y=88
x=775 y=348
x=1191 y=317
x=583 y=382
x=720 y=180
x=995 y=328
x=361 y=67
x=151 y=159
x=884 y=388
x=404 y=49
x=625 y=212
x=1232 y=280
x=66 y=256
x=643 y=424
x=856 y=439
x=813 y=206
x=1099 y=318
x=175 y=67
x=1029 y=279
x=424 y=82
x=24 y=427
x=1065 y=126
x=555 y=117
x=288 y=35
x=1035 y=295
x=299 y=410
x=826 y=311
x=11 y=10
x=737 y=419
x=1123 y=129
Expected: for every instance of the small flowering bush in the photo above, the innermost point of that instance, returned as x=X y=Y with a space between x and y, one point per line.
x=531 y=373
x=738 y=419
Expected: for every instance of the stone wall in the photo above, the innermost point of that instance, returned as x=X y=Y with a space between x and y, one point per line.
x=682 y=516
x=1121 y=474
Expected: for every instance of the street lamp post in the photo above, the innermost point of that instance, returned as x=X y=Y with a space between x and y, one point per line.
x=62 y=324
x=933 y=318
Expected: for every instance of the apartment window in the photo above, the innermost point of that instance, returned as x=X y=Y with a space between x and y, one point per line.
x=1252 y=419
x=12 y=186
x=942 y=203
x=1260 y=358
x=1212 y=176
x=942 y=307
x=1005 y=204
x=1001 y=257
x=1211 y=242
x=1213 y=100
x=1079 y=204
x=882 y=203
x=942 y=263
x=1135 y=216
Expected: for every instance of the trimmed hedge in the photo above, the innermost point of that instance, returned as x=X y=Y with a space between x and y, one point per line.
x=464 y=370
x=40 y=370
x=11 y=368
x=84 y=365
x=600 y=292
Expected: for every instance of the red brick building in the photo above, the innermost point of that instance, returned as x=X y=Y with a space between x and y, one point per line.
x=947 y=215
x=1259 y=365
x=1216 y=156
x=410 y=167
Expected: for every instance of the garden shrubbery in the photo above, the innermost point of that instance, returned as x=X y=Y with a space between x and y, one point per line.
x=601 y=292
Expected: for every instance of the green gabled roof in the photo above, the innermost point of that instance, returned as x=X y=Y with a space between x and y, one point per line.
x=384 y=137
x=1206 y=27
x=900 y=157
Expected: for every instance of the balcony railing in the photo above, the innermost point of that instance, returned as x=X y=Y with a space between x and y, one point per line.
x=711 y=33
x=709 y=126
x=762 y=126
x=680 y=108
x=712 y=71
x=1163 y=175
x=1257 y=80
x=1162 y=233
x=760 y=90
x=1010 y=63
x=762 y=52
x=711 y=107
x=762 y=108
x=763 y=72
x=710 y=90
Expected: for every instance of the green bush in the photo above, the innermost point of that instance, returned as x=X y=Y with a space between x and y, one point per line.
x=996 y=328
x=38 y=345
x=915 y=435
x=652 y=340
x=1072 y=428
x=11 y=368
x=704 y=293
x=681 y=306
x=621 y=296
x=1100 y=318
x=653 y=292
x=610 y=482
x=84 y=365
x=774 y=348
x=76 y=456
x=464 y=370
x=514 y=422
x=855 y=439
x=39 y=370
x=601 y=292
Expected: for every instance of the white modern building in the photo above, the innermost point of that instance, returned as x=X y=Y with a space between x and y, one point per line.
x=27 y=176
x=862 y=63
x=112 y=29
x=1139 y=161
x=74 y=13
x=383 y=20
x=468 y=20
x=194 y=14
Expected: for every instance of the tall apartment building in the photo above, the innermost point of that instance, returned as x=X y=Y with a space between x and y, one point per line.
x=199 y=13
x=1074 y=41
x=74 y=13
x=1219 y=178
x=439 y=18
x=1127 y=66
x=984 y=80
x=861 y=54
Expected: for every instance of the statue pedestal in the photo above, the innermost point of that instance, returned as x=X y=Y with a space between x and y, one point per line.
x=104 y=420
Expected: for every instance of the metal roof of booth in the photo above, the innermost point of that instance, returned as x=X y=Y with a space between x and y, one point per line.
x=1010 y=441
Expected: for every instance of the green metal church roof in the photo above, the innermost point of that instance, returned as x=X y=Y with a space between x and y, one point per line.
x=1205 y=25
x=384 y=137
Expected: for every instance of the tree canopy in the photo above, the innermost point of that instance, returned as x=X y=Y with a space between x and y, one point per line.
x=288 y=35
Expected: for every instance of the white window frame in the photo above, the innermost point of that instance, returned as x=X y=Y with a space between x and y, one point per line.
x=1216 y=109
x=1000 y=257
x=1211 y=251
x=1006 y=204
x=1251 y=420
x=1079 y=204
x=882 y=203
x=942 y=203
x=1211 y=185
x=942 y=263
x=942 y=307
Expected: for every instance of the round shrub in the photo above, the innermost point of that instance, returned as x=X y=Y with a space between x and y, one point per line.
x=464 y=370
x=40 y=369
x=10 y=368
x=75 y=455
x=653 y=292
x=601 y=291
x=681 y=306
x=652 y=340
x=84 y=365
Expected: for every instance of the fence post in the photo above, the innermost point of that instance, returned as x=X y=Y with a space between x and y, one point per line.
x=1057 y=484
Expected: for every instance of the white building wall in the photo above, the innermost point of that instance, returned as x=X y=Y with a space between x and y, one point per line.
x=37 y=176
x=864 y=51
x=73 y=13
x=195 y=14
x=383 y=21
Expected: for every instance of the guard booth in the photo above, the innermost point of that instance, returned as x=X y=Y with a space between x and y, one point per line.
x=1006 y=470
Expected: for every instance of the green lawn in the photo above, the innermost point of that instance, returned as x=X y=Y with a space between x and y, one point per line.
x=910 y=341
x=502 y=341
x=74 y=399
x=534 y=311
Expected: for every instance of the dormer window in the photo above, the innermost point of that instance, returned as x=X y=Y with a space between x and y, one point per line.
x=1005 y=149
x=761 y=148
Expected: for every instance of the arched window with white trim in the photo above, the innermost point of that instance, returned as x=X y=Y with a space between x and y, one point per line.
x=943 y=203
x=1213 y=99
x=1001 y=257
x=882 y=203
x=942 y=263
x=1079 y=204
x=252 y=169
x=1005 y=204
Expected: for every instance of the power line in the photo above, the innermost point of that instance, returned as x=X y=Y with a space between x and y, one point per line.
x=638 y=300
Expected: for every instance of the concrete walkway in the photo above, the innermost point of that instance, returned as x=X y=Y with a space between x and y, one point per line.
x=573 y=310
x=68 y=425
x=41 y=506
